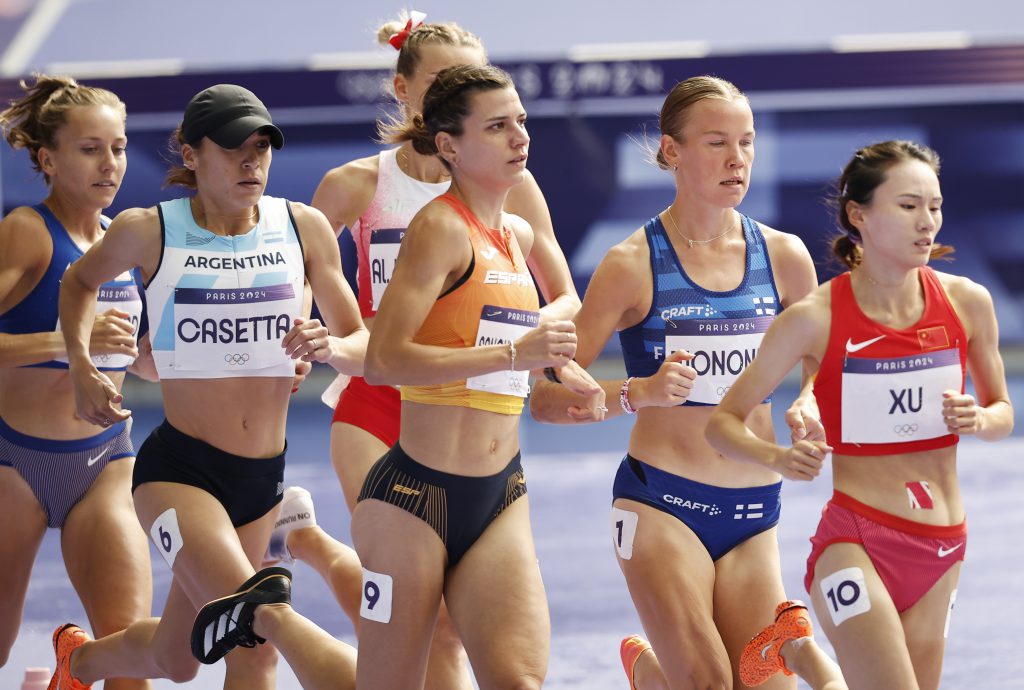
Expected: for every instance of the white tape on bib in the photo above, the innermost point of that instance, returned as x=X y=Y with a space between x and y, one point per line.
x=846 y=594
x=376 y=600
x=624 y=525
x=167 y=536
x=949 y=613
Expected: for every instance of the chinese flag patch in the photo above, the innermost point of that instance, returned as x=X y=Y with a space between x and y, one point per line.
x=934 y=338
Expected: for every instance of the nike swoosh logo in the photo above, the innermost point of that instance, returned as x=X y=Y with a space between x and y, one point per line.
x=943 y=552
x=854 y=347
x=94 y=460
x=764 y=652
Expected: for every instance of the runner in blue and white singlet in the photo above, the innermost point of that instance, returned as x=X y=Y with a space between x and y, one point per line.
x=225 y=271
x=691 y=294
x=221 y=305
x=722 y=330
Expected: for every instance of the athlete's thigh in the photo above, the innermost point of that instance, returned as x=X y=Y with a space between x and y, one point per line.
x=106 y=553
x=857 y=614
x=748 y=586
x=496 y=599
x=353 y=452
x=254 y=536
x=926 y=626
x=671 y=580
x=194 y=535
x=403 y=576
x=24 y=526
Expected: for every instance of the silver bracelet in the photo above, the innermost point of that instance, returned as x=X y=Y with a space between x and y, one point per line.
x=512 y=355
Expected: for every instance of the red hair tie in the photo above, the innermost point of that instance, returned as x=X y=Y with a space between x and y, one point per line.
x=415 y=21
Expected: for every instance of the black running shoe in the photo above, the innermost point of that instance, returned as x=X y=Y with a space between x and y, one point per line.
x=226 y=623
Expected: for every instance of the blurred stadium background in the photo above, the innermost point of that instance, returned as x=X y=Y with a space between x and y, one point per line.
x=823 y=79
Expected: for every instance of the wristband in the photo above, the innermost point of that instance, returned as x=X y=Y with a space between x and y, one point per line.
x=551 y=375
x=624 y=397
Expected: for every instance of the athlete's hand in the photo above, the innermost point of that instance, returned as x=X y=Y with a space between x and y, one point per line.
x=671 y=385
x=804 y=421
x=302 y=369
x=576 y=379
x=802 y=462
x=307 y=340
x=96 y=397
x=550 y=344
x=144 y=366
x=113 y=334
x=960 y=412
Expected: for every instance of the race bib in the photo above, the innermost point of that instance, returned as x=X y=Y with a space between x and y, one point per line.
x=384 y=245
x=721 y=348
x=898 y=399
x=501 y=325
x=121 y=293
x=218 y=328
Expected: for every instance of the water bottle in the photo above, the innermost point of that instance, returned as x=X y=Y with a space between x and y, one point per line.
x=36 y=679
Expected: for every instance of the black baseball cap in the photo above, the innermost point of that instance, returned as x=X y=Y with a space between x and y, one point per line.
x=228 y=115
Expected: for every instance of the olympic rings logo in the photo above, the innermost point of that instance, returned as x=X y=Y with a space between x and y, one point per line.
x=722 y=390
x=236 y=359
x=102 y=358
x=905 y=429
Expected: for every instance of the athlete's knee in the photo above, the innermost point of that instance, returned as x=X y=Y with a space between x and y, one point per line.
x=525 y=681
x=178 y=668
x=107 y=620
x=708 y=673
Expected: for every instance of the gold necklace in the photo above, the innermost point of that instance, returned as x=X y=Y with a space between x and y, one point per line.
x=668 y=213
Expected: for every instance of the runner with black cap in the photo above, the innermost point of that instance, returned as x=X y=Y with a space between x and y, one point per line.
x=224 y=271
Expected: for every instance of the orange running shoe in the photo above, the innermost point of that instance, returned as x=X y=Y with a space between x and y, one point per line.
x=760 y=659
x=66 y=639
x=629 y=651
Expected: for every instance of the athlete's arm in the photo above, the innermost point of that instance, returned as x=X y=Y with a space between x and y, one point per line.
x=615 y=300
x=436 y=252
x=25 y=250
x=990 y=418
x=342 y=343
x=796 y=278
x=133 y=239
x=799 y=332
x=345 y=192
x=545 y=259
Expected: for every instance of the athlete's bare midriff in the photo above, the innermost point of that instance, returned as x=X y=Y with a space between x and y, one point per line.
x=672 y=439
x=459 y=440
x=242 y=416
x=41 y=402
x=881 y=482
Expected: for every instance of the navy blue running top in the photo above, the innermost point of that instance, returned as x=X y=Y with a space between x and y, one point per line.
x=37 y=312
x=723 y=330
